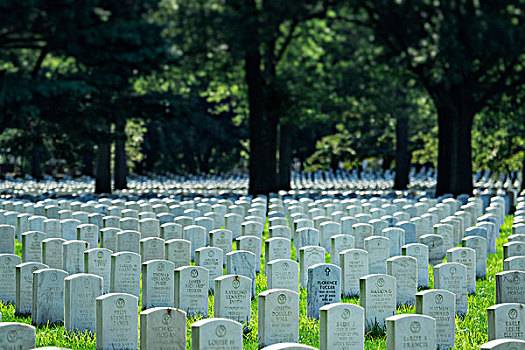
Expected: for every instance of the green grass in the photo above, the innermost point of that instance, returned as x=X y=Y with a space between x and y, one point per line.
x=471 y=332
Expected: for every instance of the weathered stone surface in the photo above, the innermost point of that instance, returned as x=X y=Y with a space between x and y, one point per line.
x=354 y=265
x=441 y=305
x=8 y=263
x=377 y=295
x=410 y=332
x=278 y=317
x=233 y=295
x=125 y=273
x=117 y=322
x=157 y=284
x=510 y=287
x=323 y=287
x=404 y=269
x=506 y=321
x=191 y=290
x=283 y=274
x=81 y=292
x=453 y=277
x=48 y=296
x=341 y=326
x=216 y=333
x=16 y=336
x=163 y=328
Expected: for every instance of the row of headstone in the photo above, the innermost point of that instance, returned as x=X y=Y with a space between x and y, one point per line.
x=322 y=280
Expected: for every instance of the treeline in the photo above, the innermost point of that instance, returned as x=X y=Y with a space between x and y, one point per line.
x=102 y=87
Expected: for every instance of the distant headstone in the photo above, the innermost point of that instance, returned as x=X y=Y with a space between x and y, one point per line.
x=420 y=252
x=410 y=231
x=233 y=296
x=435 y=246
x=211 y=259
x=16 y=336
x=128 y=241
x=222 y=239
x=309 y=256
x=178 y=251
x=467 y=257
x=117 y=321
x=151 y=248
x=441 y=305
x=48 y=296
x=410 y=332
x=354 y=265
x=514 y=263
x=163 y=328
x=32 y=246
x=157 y=284
x=506 y=321
x=88 y=233
x=233 y=222
x=242 y=262
x=216 y=333
x=108 y=238
x=283 y=274
x=24 y=286
x=252 y=228
x=306 y=236
x=252 y=244
x=276 y=248
x=73 y=256
x=149 y=227
x=513 y=249
x=81 y=292
x=377 y=295
x=327 y=230
x=404 y=269
x=510 y=287
x=8 y=263
x=191 y=290
x=453 y=277
x=396 y=238
x=278 y=317
x=171 y=230
x=338 y=244
x=197 y=236
x=52 y=252
x=7 y=239
x=362 y=231
x=323 y=287
x=478 y=243
x=378 y=249
x=97 y=261
x=279 y=231
x=341 y=326
x=125 y=273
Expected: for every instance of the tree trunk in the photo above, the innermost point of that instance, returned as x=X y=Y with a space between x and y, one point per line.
x=402 y=155
x=285 y=157
x=151 y=147
x=87 y=160
x=387 y=162
x=36 y=168
x=262 y=152
x=121 y=169
x=523 y=175
x=455 y=148
x=103 y=169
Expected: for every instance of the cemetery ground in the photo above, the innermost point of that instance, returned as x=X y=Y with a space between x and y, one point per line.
x=471 y=332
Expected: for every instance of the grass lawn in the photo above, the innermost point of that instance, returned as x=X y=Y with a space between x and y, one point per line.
x=471 y=332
